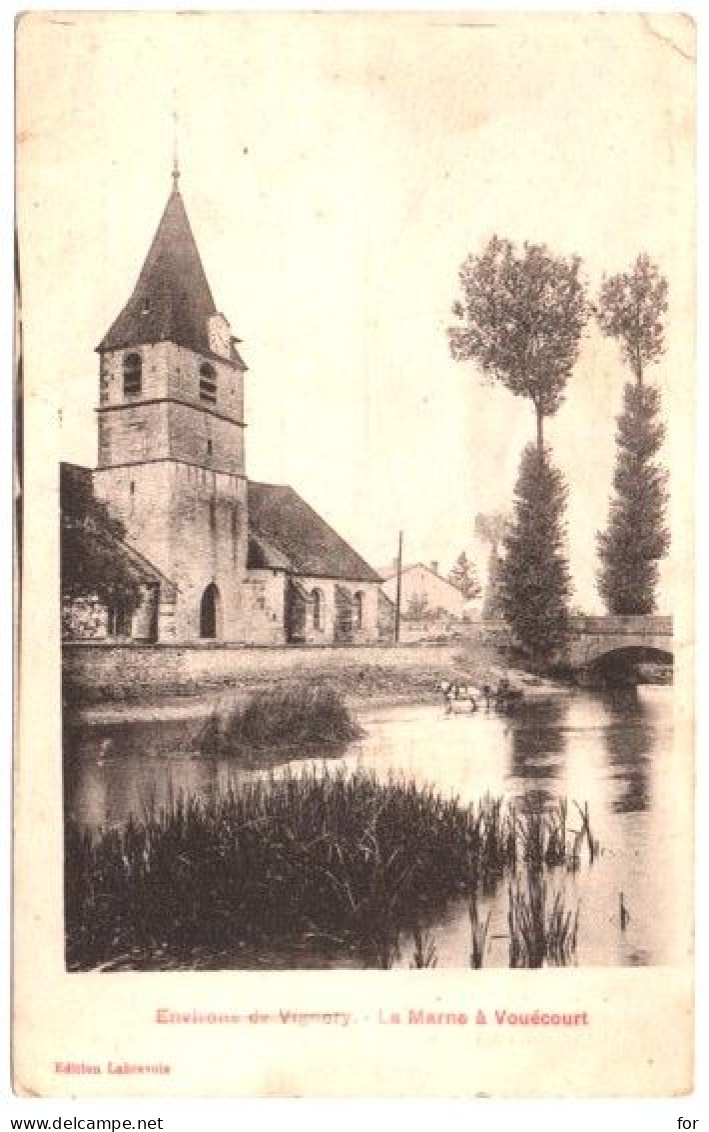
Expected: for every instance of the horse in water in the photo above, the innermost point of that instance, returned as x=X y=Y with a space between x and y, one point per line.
x=505 y=697
x=459 y=697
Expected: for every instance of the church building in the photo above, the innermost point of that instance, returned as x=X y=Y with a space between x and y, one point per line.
x=220 y=558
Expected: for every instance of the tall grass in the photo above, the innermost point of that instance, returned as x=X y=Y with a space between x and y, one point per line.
x=537 y=838
x=293 y=714
x=340 y=860
x=334 y=861
x=478 y=933
x=425 y=953
x=542 y=929
x=546 y=839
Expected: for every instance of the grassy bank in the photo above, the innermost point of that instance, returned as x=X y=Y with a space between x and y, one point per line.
x=297 y=715
x=341 y=863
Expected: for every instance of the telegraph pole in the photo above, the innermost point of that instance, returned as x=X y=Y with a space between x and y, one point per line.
x=397 y=610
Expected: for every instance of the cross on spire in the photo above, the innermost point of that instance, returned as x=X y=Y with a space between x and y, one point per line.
x=175 y=163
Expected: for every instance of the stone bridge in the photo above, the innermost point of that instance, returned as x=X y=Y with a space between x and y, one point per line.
x=593 y=639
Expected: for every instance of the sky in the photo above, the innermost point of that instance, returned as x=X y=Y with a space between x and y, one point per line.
x=337 y=171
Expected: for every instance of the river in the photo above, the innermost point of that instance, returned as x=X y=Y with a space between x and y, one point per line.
x=614 y=752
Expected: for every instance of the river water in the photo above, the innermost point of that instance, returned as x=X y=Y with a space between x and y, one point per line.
x=614 y=752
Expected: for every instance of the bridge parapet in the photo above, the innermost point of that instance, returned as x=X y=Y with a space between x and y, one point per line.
x=651 y=625
x=591 y=638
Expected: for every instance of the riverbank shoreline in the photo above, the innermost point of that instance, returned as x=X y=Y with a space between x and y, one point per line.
x=366 y=678
x=362 y=679
x=200 y=705
x=422 y=689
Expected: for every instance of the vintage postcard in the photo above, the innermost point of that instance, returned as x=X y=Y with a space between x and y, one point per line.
x=355 y=363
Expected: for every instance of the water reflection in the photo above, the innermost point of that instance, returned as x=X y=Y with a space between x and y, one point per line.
x=538 y=744
x=613 y=752
x=630 y=735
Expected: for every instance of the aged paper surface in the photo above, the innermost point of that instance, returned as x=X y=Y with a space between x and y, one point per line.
x=336 y=171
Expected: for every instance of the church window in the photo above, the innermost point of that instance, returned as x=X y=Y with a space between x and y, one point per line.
x=132 y=374
x=209 y=448
x=208 y=383
x=317 y=609
x=212 y=514
x=119 y=621
x=145 y=308
x=358 y=610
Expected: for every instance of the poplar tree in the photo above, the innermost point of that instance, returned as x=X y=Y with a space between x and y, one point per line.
x=631 y=308
x=520 y=318
x=534 y=575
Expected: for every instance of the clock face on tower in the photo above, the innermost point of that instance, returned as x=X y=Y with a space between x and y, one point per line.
x=219 y=336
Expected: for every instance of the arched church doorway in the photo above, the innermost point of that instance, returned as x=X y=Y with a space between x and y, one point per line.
x=210 y=613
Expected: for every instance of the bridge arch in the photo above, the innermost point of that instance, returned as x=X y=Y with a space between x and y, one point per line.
x=619 y=665
x=638 y=651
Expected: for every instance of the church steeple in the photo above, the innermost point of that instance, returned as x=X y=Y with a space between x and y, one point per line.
x=171 y=431
x=172 y=300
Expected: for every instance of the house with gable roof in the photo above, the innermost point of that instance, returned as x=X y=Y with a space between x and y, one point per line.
x=424 y=590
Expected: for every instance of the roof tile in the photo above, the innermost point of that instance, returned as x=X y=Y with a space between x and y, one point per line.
x=172 y=300
x=279 y=518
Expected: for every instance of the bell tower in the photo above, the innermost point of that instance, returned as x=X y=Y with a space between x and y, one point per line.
x=171 y=433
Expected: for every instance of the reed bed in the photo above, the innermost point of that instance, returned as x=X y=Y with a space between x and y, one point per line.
x=338 y=859
x=543 y=931
x=544 y=837
x=340 y=862
x=479 y=930
x=425 y=953
x=297 y=714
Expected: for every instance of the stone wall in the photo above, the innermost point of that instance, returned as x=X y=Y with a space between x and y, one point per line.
x=96 y=669
x=264 y=613
x=263 y=598
x=362 y=633
x=190 y=522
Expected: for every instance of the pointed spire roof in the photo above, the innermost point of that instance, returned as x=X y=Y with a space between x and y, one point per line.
x=172 y=300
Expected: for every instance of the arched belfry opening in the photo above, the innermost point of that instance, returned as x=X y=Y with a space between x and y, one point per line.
x=210 y=613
